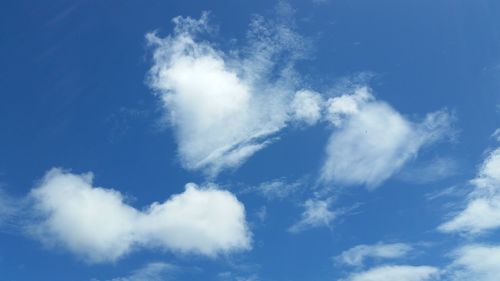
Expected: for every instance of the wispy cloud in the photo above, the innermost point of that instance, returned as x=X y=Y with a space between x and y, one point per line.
x=317 y=213
x=277 y=189
x=429 y=171
x=357 y=255
x=155 y=271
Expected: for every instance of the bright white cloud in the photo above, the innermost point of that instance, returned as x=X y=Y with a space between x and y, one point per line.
x=96 y=224
x=373 y=141
x=356 y=255
x=224 y=107
x=482 y=212
x=475 y=262
x=316 y=213
x=396 y=273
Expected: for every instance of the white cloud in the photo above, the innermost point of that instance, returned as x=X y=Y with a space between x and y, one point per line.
x=155 y=271
x=482 y=212
x=496 y=134
x=316 y=213
x=342 y=107
x=307 y=106
x=396 y=273
x=475 y=262
x=224 y=107
x=356 y=255
x=96 y=224
x=373 y=141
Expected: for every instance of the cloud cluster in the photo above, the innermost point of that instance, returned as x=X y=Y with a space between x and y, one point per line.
x=356 y=255
x=482 y=211
x=225 y=106
x=96 y=224
x=372 y=140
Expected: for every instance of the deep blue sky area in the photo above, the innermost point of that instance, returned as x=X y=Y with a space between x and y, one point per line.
x=75 y=94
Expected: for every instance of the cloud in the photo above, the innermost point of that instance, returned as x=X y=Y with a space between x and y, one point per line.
x=496 y=134
x=226 y=106
x=372 y=140
x=356 y=255
x=476 y=262
x=430 y=171
x=276 y=189
x=307 y=107
x=316 y=213
x=96 y=224
x=396 y=273
x=482 y=212
x=155 y=271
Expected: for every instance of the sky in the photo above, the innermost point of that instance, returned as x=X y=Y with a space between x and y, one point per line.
x=315 y=140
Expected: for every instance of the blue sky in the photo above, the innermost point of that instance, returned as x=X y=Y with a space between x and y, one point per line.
x=250 y=141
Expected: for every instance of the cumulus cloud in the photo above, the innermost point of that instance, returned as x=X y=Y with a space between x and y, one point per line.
x=482 y=211
x=396 y=273
x=225 y=106
x=372 y=141
x=316 y=213
x=96 y=224
x=356 y=255
x=477 y=262
x=307 y=107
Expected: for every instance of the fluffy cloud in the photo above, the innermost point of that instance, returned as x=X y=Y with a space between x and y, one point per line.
x=475 y=262
x=224 y=107
x=316 y=213
x=356 y=255
x=307 y=107
x=372 y=140
x=96 y=224
x=396 y=273
x=482 y=211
